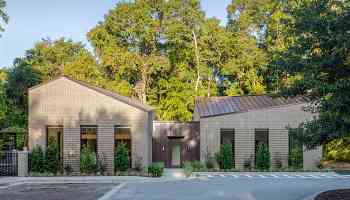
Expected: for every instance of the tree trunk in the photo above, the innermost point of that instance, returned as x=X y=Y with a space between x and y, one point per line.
x=197 y=59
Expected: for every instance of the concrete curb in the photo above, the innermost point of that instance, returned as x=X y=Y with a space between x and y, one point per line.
x=83 y=179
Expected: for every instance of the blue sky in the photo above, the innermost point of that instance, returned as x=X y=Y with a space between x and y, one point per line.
x=33 y=20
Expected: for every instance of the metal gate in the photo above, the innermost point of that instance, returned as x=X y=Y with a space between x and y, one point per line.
x=8 y=163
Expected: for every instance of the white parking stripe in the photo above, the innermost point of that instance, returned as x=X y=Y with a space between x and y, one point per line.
x=109 y=194
x=287 y=176
x=313 y=176
x=277 y=176
x=234 y=176
x=300 y=176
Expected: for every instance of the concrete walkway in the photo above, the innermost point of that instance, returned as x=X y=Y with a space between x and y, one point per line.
x=10 y=181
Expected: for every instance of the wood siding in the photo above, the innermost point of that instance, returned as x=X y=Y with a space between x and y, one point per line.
x=70 y=104
x=275 y=119
x=165 y=133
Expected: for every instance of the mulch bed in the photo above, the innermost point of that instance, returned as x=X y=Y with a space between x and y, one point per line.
x=343 y=194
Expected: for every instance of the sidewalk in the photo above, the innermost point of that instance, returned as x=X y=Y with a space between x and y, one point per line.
x=8 y=181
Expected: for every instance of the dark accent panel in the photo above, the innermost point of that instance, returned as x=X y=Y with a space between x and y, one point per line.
x=165 y=133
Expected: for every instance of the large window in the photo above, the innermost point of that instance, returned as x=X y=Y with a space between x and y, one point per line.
x=54 y=134
x=89 y=136
x=227 y=136
x=122 y=135
x=261 y=137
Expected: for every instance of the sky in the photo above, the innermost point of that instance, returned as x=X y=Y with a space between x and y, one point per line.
x=32 y=20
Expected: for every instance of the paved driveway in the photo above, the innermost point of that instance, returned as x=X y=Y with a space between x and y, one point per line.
x=55 y=191
x=245 y=186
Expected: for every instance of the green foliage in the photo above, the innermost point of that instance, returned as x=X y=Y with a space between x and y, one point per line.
x=37 y=160
x=263 y=158
x=224 y=156
x=192 y=166
x=296 y=158
x=188 y=168
x=52 y=157
x=4 y=18
x=121 y=160
x=338 y=150
x=210 y=162
x=3 y=103
x=319 y=55
x=138 y=163
x=156 y=169
x=88 y=160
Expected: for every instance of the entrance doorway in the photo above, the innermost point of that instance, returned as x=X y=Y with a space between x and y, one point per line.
x=175 y=145
x=176 y=155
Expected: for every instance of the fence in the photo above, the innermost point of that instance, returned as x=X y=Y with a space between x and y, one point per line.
x=13 y=163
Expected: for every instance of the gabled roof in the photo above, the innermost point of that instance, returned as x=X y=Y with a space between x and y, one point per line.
x=132 y=102
x=214 y=106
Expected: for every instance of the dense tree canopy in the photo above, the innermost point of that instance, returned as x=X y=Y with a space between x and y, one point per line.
x=167 y=52
x=319 y=56
x=4 y=18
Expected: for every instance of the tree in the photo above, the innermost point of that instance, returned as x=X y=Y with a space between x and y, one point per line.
x=263 y=157
x=320 y=57
x=52 y=156
x=225 y=156
x=121 y=160
x=4 y=18
x=147 y=46
x=20 y=77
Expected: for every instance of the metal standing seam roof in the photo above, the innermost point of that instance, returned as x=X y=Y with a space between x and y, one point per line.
x=213 y=106
x=132 y=102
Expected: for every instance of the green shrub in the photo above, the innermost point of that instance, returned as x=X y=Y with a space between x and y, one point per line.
x=138 y=163
x=263 y=158
x=197 y=165
x=88 y=161
x=52 y=157
x=296 y=158
x=121 y=160
x=156 y=169
x=338 y=150
x=224 y=156
x=37 y=160
x=247 y=164
x=188 y=168
x=100 y=168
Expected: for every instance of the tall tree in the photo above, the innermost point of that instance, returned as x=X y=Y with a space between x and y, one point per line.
x=4 y=18
x=20 y=77
x=150 y=45
x=320 y=56
x=265 y=20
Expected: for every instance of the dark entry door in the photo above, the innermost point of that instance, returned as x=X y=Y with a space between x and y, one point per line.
x=175 y=152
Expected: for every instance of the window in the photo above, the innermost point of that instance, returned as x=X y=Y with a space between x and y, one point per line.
x=88 y=137
x=55 y=134
x=261 y=137
x=123 y=136
x=227 y=136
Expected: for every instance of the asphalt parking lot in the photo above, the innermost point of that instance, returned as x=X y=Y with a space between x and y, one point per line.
x=55 y=191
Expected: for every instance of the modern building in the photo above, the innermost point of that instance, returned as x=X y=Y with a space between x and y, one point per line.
x=77 y=114
x=247 y=121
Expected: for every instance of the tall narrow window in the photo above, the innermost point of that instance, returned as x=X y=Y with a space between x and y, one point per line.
x=261 y=137
x=122 y=135
x=227 y=136
x=54 y=134
x=89 y=136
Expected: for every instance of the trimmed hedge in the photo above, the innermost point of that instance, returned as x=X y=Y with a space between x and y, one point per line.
x=156 y=169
